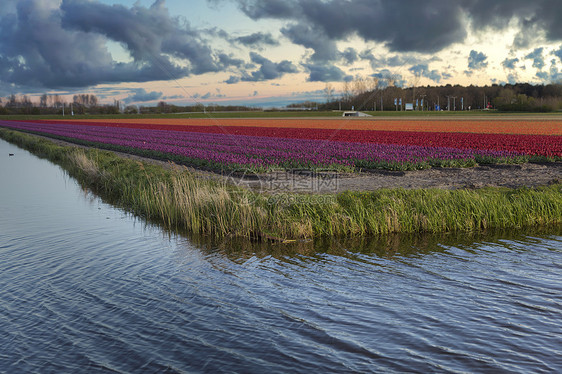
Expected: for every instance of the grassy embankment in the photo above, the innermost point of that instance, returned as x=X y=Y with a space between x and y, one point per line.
x=180 y=199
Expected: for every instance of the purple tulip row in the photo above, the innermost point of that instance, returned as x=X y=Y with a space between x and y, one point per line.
x=254 y=151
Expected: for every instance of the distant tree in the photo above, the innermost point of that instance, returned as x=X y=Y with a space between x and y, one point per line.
x=373 y=84
x=346 y=92
x=117 y=105
x=12 y=101
x=58 y=101
x=199 y=107
x=131 y=109
x=26 y=102
x=163 y=107
x=329 y=92
x=390 y=80
x=304 y=104
x=359 y=85
x=85 y=100
x=508 y=101
x=43 y=101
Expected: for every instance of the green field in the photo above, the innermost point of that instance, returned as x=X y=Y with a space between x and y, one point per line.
x=490 y=114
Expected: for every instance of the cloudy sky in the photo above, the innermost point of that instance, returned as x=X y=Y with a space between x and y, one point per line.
x=270 y=52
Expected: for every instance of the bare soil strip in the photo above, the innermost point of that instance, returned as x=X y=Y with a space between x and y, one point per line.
x=512 y=176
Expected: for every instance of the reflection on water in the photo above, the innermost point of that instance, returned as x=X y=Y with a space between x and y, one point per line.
x=87 y=288
x=389 y=246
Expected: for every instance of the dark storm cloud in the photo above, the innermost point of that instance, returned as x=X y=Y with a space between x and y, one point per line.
x=228 y=60
x=53 y=45
x=498 y=13
x=477 y=60
x=173 y=97
x=512 y=78
x=267 y=69
x=537 y=57
x=325 y=73
x=268 y=8
x=395 y=61
x=423 y=70
x=555 y=73
x=543 y=76
x=148 y=33
x=399 y=61
x=349 y=56
x=407 y=25
x=509 y=63
x=257 y=39
x=324 y=47
x=558 y=53
x=232 y=80
x=387 y=78
x=141 y=95
x=48 y=55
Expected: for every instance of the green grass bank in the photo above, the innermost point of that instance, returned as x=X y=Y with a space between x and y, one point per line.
x=180 y=199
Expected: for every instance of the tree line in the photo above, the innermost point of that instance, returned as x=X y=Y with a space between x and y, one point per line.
x=89 y=104
x=377 y=94
x=163 y=107
x=57 y=104
x=358 y=94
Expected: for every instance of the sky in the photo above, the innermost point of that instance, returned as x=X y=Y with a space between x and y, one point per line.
x=270 y=52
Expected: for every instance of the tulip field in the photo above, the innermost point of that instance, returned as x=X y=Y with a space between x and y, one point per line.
x=261 y=145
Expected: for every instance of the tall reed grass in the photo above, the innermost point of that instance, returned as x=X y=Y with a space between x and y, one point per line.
x=180 y=199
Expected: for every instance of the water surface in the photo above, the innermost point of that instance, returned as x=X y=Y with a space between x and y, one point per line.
x=85 y=287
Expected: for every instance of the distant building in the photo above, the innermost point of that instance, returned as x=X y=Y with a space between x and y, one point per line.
x=355 y=114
